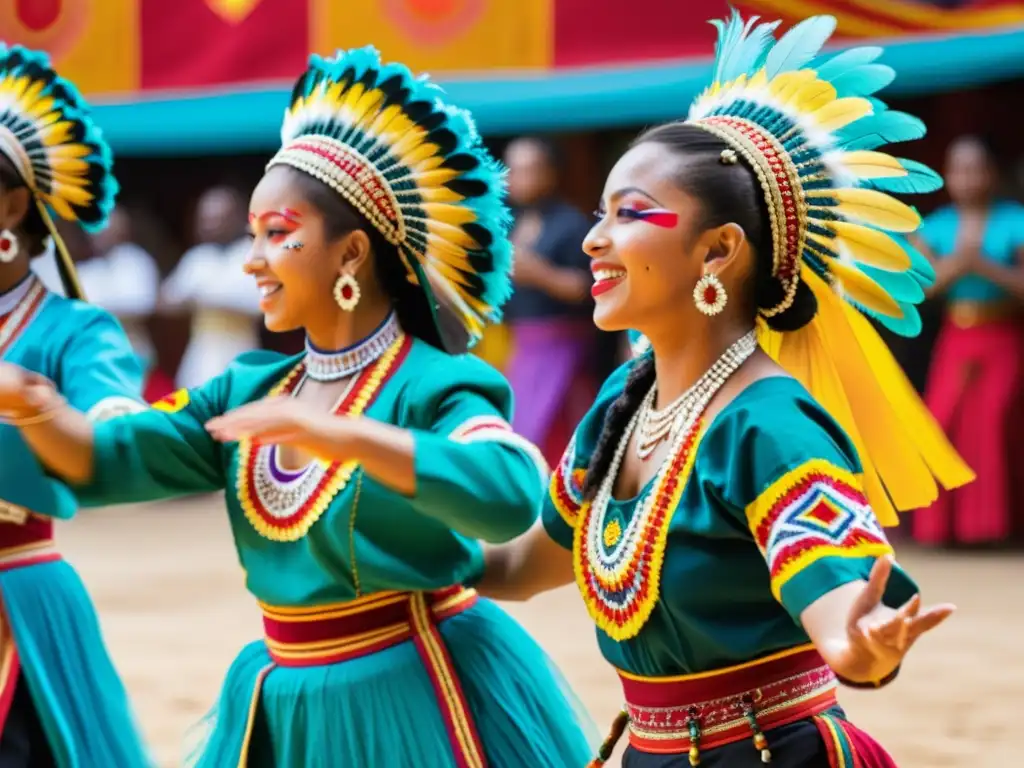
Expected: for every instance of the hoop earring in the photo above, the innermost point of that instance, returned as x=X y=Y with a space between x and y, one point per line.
x=346 y=292
x=8 y=246
x=709 y=295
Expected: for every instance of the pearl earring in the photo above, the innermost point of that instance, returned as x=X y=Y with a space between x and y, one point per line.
x=709 y=295
x=346 y=292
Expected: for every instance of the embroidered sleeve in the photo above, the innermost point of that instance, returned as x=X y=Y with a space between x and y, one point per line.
x=473 y=473
x=816 y=531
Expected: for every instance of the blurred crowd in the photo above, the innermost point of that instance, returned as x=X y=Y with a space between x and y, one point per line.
x=554 y=357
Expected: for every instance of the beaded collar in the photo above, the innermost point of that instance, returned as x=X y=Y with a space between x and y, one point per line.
x=321 y=365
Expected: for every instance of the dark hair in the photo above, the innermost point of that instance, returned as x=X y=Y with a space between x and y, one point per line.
x=728 y=193
x=33 y=230
x=340 y=218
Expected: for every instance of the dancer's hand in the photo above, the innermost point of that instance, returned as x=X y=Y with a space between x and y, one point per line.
x=878 y=637
x=284 y=421
x=22 y=392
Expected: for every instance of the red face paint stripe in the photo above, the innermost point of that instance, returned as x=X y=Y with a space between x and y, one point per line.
x=659 y=217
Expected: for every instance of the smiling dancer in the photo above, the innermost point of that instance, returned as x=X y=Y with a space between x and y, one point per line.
x=357 y=530
x=721 y=506
x=61 y=702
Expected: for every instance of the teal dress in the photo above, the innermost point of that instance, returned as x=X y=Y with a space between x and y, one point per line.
x=474 y=480
x=57 y=643
x=767 y=515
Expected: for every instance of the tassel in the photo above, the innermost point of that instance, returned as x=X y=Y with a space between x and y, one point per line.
x=694 y=725
x=608 y=745
x=760 y=740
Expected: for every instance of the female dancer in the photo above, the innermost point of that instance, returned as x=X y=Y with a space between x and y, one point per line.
x=356 y=530
x=721 y=505
x=61 y=702
x=974 y=386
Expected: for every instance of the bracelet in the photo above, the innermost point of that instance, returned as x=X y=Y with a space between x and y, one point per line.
x=47 y=414
x=870 y=685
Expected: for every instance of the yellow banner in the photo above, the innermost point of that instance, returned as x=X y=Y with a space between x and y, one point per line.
x=440 y=35
x=94 y=42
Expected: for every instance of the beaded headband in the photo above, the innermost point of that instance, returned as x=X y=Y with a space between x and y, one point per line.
x=807 y=127
x=415 y=167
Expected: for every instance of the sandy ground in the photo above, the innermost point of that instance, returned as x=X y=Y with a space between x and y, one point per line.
x=171 y=599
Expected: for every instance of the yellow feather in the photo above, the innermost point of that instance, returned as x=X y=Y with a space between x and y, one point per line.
x=812 y=96
x=74 y=194
x=428 y=165
x=366 y=107
x=933 y=445
x=760 y=79
x=872 y=165
x=864 y=290
x=59 y=133
x=60 y=205
x=449 y=214
x=870 y=207
x=455 y=235
x=69 y=151
x=432 y=193
x=783 y=86
x=415 y=155
x=434 y=177
x=869 y=246
x=841 y=112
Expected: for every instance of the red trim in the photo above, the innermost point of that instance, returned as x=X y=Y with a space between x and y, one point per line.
x=343 y=624
x=359 y=390
x=29 y=315
x=34 y=530
x=717 y=701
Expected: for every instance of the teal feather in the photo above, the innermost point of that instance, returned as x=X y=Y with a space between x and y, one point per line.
x=863 y=81
x=843 y=62
x=873 y=131
x=799 y=45
x=741 y=48
x=902 y=286
x=907 y=326
x=921 y=268
x=920 y=180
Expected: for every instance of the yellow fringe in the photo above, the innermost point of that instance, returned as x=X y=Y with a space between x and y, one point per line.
x=846 y=366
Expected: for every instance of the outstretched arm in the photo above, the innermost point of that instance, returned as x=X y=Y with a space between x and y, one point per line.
x=863 y=640
x=467 y=470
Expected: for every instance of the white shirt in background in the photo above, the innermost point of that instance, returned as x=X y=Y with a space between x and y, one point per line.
x=124 y=281
x=226 y=304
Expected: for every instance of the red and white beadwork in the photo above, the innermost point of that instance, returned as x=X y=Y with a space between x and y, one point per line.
x=709 y=295
x=784 y=194
x=286 y=510
x=13 y=323
x=346 y=292
x=618 y=567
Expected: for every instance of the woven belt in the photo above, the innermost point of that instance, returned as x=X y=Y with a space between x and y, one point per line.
x=677 y=715
x=25 y=538
x=332 y=634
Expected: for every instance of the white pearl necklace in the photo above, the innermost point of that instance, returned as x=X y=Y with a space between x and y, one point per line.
x=658 y=425
x=604 y=563
x=333 y=366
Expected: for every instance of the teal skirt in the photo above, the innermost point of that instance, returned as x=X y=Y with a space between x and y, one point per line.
x=381 y=709
x=80 y=699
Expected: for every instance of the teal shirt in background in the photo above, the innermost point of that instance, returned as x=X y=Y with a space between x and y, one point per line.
x=771 y=518
x=1004 y=236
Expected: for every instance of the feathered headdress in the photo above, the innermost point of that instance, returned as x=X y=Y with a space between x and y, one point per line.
x=47 y=133
x=810 y=129
x=415 y=167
